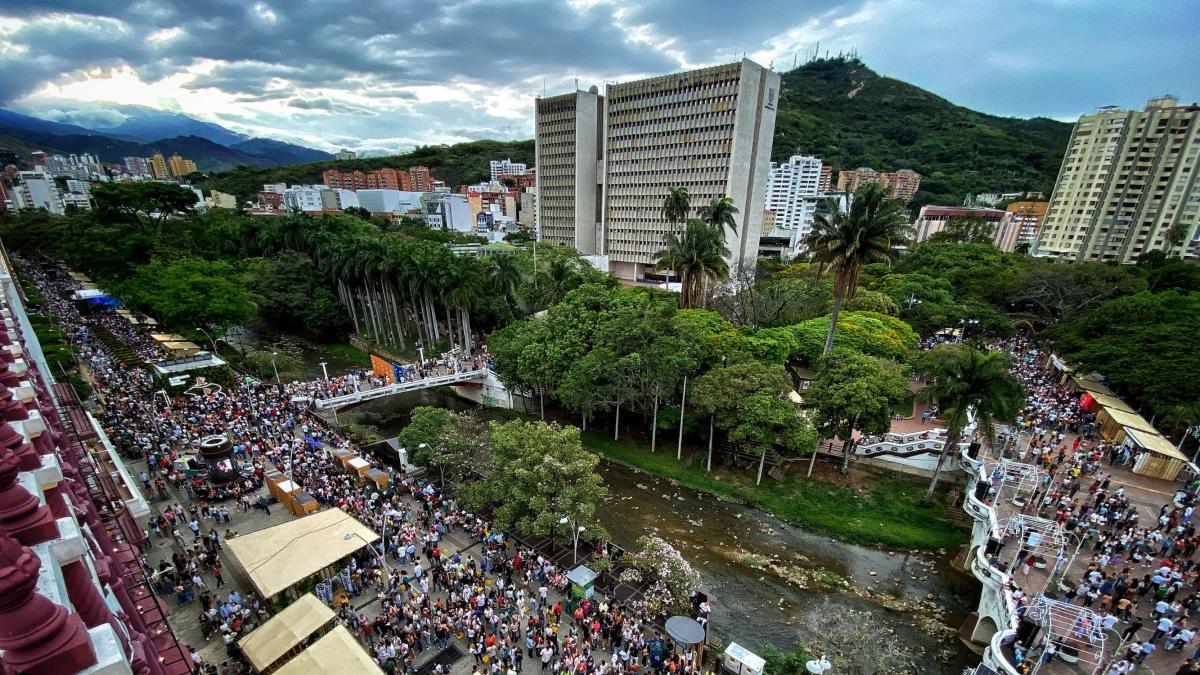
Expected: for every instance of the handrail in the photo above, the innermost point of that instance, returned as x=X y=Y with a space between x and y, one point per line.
x=399 y=388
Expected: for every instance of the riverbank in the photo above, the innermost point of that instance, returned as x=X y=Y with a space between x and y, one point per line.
x=889 y=513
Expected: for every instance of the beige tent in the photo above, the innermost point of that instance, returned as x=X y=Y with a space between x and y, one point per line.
x=336 y=652
x=1111 y=402
x=284 y=631
x=1091 y=384
x=1114 y=421
x=276 y=558
x=1162 y=459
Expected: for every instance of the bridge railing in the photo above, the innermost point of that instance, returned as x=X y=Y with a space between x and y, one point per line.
x=399 y=387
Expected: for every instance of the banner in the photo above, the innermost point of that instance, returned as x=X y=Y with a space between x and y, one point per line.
x=383 y=368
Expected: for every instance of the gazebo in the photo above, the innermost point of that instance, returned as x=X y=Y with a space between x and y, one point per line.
x=1074 y=632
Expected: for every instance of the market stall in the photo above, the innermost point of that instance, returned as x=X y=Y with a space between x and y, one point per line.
x=337 y=652
x=1159 y=457
x=1113 y=422
x=277 y=558
x=285 y=633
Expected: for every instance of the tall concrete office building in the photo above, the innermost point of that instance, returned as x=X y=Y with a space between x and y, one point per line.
x=1128 y=184
x=708 y=130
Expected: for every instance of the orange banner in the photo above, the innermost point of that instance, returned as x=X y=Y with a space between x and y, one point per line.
x=382 y=367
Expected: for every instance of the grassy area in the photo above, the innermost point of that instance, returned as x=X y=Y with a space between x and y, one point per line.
x=347 y=352
x=889 y=514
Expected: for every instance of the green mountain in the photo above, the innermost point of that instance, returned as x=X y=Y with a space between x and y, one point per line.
x=458 y=164
x=837 y=109
x=849 y=115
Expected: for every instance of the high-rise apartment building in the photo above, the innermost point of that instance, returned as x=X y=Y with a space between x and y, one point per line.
x=506 y=167
x=1128 y=184
x=181 y=167
x=421 y=180
x=902 y=184
x=607 y=162
x=138 y=166
x=787 y=184
x=344 y=155
x=825 y=184
x=1026 y=219
x=37 y=190
x=158 y=166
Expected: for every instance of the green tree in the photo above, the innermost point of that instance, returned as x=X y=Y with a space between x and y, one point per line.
x=672 y=579
x=966 y=230
x=426 y=426
x=187 y=293
x=867 y=332
x=720 y=214
x=855 y=392
x=698 y=254
x=151 y=203
x=1051 y=292
x=870 y=231
x=968 y=384
x=540 y=475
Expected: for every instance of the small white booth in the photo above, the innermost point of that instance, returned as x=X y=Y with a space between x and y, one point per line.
x=741 y=661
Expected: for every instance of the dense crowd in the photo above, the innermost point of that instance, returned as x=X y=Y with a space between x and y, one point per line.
x=1140 y=574
x=504 y=603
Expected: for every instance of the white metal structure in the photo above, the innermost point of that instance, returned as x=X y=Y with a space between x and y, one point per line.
x=400 y=388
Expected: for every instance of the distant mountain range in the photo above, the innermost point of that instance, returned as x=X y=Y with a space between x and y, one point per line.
x=211 y=146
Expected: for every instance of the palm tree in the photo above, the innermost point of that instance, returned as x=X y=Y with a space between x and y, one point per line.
x=721 y=214
x=845 y=241
x=676 y=206
x=968 y=385
x=504 y=275
x=698 y=253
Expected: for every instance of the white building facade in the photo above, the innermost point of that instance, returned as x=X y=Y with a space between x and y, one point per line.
x=507 y=167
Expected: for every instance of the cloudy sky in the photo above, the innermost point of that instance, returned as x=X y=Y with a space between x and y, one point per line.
x=390 y=74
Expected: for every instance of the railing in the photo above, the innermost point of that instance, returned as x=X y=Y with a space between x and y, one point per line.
x=400 y=388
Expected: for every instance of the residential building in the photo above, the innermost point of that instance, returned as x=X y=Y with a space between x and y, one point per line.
x=1127 y=185
x=303 y=198
x=346 y=198
x=386 y=178
x=344 y=155
x=6 y=199
x=276 y=188
x=390 y=201
x=506 y=167
x=788 y=183
x=138 y=166
x=450 y=211
x=158 y=166
x=37 y=190
x=181 y=167
x=606 y=162
x=902 y=184
x=421 y=180
x=270 y=200
x=933 y=219
x=222 y=200
x=527 y=209
x=1026 y=218
x=825 y=184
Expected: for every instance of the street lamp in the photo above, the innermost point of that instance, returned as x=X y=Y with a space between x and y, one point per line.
x=575 y=532
x=325 y=370
x=273 y=366
x=383 y=558
x=913 y=300
x=210 y=339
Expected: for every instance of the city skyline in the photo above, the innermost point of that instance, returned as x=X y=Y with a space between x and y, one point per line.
x=327 y=77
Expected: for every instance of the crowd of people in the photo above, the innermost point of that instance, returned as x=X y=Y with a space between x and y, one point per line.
x=1139 y=574
x=503 y=603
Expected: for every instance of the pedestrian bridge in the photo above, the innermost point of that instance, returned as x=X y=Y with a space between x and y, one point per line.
x=462 y=377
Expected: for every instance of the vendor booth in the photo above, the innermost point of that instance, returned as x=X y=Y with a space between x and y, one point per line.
x=1160 y=459
x=277 y=558
x=1113 y=422
x=358 y=465
x=337 y=652
x=1089 y=383
x=286 y=633
x=741 y=661
x=379 y=478
x=1092 y=402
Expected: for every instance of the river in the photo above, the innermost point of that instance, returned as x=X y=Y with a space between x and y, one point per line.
x=754 y=565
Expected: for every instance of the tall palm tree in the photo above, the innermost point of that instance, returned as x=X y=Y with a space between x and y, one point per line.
x=871 y=231
x=968 y=385
x=504 y=274
x=698 y=254
x=675 y=209
x=720 y=214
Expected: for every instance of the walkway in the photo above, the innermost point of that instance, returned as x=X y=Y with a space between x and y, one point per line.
x=364 y=395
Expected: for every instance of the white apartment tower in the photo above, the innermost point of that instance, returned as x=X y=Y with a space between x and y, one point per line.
x=506 y=167
x=1128 y=184
x=708 y=130
x=788 y=184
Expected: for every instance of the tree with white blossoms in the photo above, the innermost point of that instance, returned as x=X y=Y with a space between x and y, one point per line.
x=672 y=579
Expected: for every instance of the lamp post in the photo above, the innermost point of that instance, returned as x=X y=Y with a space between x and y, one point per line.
x=575 y=532
x=912 y=300
x=966 y=325
x=325 y=370
x=274 y=367
x=211 y=341
x=383 y=558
